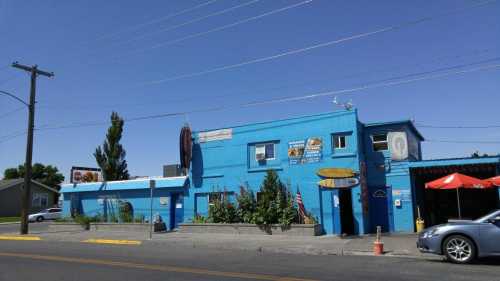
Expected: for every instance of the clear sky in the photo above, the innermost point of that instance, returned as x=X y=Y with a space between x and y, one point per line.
x=105 y=54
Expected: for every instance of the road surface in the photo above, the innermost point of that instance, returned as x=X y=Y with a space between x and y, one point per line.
x=33 y=227
x=48 y=260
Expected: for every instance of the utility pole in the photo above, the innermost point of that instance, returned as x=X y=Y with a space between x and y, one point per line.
x=26 y=191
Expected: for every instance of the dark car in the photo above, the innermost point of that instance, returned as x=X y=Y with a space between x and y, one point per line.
x=462 y=241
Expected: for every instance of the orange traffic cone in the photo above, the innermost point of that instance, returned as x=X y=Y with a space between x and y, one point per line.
x=378 y=245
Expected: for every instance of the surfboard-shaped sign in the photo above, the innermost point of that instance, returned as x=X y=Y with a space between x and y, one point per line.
x=336 y=173
x=338 y=183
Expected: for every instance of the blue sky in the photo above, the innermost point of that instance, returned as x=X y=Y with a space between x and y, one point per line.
x=103 y=57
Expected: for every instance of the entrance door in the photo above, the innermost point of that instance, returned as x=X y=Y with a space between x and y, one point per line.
x=176 y=210
x=379 y=212
x=346 y=213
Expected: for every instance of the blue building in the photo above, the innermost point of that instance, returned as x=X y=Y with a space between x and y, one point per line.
x=386 y=158
x=103 y=199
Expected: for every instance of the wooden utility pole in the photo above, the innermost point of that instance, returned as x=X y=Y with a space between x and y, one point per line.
x=26 y=191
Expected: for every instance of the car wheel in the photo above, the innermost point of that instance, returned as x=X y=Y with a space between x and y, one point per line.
x=459 y=249
x=39 y=219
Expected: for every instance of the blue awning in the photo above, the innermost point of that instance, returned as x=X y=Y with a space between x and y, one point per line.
x=171 y=182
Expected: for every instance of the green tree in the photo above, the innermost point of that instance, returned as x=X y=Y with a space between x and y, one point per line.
x=48 y=175
x=111 y=157
x=275 y=203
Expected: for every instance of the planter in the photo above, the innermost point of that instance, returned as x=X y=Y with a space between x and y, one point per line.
x=66 y=226
x=251 y=229
x=119 y=227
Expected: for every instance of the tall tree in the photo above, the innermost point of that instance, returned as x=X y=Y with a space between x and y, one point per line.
x=111 y=157
x=48 y=175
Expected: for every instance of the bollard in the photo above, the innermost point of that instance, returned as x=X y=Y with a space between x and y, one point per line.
x=378 y=245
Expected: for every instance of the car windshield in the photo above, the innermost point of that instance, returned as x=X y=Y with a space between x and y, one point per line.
x=488 y=216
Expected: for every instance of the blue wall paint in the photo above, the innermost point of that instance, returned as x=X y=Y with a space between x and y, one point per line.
x=225 y=165
x=228 y=164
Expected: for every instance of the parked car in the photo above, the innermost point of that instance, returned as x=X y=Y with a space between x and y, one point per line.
x=461 y=241
x=48 y=214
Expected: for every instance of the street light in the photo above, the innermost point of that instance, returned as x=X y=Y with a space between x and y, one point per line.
x=14 y=97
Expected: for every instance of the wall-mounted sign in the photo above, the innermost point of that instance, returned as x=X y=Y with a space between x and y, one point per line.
x=398 y=145
x=336 y=173
x=379 y=193
x=402 y=194
x=223 y=134
x=84 y=174
x=164 y=201
x=305 y=151
x=338 y=183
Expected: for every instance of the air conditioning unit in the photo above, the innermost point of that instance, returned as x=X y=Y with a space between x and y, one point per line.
x=260 y=156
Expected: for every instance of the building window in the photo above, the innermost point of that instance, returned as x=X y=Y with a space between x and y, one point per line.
x=264 y=151
x=40 y=200
x=214 y=197
x=339 y=142
x=379 y=142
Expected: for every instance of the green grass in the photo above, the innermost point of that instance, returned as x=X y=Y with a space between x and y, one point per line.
x=9 y=219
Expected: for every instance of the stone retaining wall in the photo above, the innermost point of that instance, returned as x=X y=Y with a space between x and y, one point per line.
x=251 y=229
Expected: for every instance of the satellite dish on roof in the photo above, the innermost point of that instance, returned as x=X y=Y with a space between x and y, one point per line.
x=398 y=145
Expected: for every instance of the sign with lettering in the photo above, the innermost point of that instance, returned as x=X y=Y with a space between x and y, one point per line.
x=222 y=134
x=305 y=151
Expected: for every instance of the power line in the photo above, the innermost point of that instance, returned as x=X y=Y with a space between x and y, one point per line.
x=288 y=85
x=12 y=112
x=464 y=141
x=320 y=45
x=195 y=20
x=138 y=26
x=285 y=99
x=220 y=28
x=456 y=127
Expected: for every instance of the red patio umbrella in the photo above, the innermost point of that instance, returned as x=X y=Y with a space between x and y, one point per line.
x=494 y=180
x=457 y=181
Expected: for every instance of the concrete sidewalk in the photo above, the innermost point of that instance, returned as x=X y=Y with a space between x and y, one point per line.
x=394 y=245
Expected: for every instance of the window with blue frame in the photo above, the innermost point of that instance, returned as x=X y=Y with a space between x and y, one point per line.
x=264 y=151
x=340 y=142
x=263 y=154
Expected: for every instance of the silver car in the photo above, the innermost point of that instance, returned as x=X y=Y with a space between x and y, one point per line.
x=463 y=241
x=48 y=214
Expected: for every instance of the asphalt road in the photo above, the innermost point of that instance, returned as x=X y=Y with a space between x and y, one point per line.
x=44 y=260
x=33 y=227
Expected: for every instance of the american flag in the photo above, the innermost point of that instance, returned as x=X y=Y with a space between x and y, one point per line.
x=302 y=209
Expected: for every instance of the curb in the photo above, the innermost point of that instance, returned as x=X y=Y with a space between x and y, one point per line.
x=9 y=223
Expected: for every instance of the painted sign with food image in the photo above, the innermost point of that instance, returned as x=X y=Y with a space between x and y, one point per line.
x=305 y=151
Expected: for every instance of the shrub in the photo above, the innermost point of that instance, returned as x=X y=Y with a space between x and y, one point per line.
x=222 y=211
x=246 y=205
x=275 y=204
x=84 y=221
x=199 y=219
x=126 y=211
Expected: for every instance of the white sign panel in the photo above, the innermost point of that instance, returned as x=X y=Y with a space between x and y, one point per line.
x=164 y=200
x=223 y=134
x=398 y=145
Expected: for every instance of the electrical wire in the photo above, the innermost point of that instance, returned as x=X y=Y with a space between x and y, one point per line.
x=286 y=99
x=456 y=127
x=220 y=28
x=464 y=141
x=195 y=20
x=320 y=45
x=158 y=20
x=289 y=85
x=11 y=112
